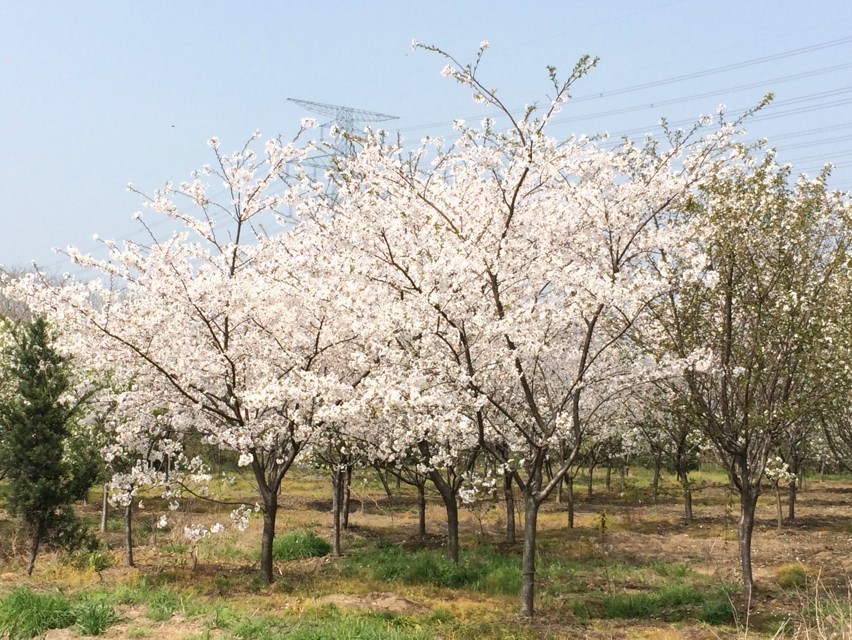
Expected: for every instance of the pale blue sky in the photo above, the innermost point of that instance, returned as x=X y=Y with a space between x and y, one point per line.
x=99 y=94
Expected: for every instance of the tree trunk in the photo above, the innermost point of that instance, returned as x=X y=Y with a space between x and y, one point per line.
x=591 y=474
x=569 y=486
x=748 y=504
x=104 y=508
x=608 y=478
x=421 y=509
x=509 y=495
x=270 y=511
x=336 y=505
x=452 y=529
x=36 y=542
x=449 y=494
x=347 y=496
x=778 y=509
x=655 y=483
x=792 y=495
x=687 y=499
x=383 y=479
x=528 y=563
x=128 y=534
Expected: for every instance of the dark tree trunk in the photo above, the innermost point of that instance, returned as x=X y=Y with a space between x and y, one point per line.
x=128 y=534
x=778 y=510
x=270 y=511
x=792 y=495
x=655 y=484
x=591 y=479
x=608 y=478
x=34 y=545
x=347 y=497
x=528 y=562
x=569 y=487
x=421 y=509
x=452 y=528
x=509 y=495
x=384 y=480
x=748 y=504
x=687 y=498
x=336 y=506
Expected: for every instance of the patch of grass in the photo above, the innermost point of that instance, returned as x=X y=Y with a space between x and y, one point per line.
x=629 y=605
x=480 y=569
x=793 y=575
x=93 y=617
x=162 y=604
x=296 y=545
x=717 y=610
x=27 y=614
x=672 y=602
x=672 y=570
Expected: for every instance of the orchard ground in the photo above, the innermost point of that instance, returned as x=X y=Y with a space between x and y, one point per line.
x=628 y=569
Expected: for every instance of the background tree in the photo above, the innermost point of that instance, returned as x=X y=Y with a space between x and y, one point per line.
x=36 y=425
x=760 y=323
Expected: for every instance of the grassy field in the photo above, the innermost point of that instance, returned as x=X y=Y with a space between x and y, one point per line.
x=628 y=569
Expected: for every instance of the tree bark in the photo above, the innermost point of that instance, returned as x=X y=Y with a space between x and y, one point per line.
x=104 y=508
x=509 y=495
x=347 y=497
x=687 y=498
x=792 y=496
x=421 y=509
x=270 y=511
x=452 y=529
x=36 y=542
x=608 y=482
x=528 y=562
x=569 y=487
x=748 y=504
x=128 y=535
x=591 y=474
x=655 y=483
x=778 y=509
x=383 y=479
x=336 y=506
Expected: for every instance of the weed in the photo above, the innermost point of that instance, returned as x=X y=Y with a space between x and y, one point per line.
x=295 y=545
x=792 y=576
x=94 y=617
x=26 y=614
x=162 y=604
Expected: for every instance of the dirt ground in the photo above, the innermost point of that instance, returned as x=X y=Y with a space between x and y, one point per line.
x=635 y=532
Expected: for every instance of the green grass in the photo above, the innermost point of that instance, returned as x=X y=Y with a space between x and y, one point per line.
x=296 y=545
x=27 y=614
x=93 y=617
x=480 y=569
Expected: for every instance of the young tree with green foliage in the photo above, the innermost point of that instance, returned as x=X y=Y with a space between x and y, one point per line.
x=35 y=423
x=760 y=324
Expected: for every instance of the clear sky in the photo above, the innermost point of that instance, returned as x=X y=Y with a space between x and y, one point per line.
x=96 y=94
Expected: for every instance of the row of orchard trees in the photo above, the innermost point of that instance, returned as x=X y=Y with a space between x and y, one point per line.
x=481 y=306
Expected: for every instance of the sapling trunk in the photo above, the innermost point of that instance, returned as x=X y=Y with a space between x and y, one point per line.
x=347 y=497
x=421 y=509
x=104 y=508
x=509 y=496
x=336 y=505
x=128 y=534
x=569 y=487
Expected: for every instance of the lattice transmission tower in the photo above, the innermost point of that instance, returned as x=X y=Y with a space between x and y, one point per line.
x=347 y=118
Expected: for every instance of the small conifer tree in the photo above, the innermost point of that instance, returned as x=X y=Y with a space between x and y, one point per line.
x=34 y=425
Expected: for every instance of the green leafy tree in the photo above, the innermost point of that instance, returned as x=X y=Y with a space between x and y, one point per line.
x=763 y=322
x=36 y=421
